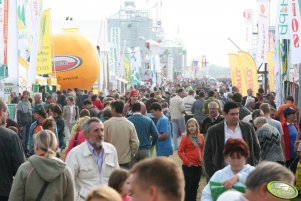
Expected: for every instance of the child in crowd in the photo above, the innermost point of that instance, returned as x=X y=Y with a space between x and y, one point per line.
x=190 y=152
x=119 y=181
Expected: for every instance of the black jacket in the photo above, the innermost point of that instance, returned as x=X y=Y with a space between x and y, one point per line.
x=214 y=147
x=11 y=157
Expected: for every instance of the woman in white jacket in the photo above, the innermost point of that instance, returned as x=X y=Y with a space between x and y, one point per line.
x=236 y=152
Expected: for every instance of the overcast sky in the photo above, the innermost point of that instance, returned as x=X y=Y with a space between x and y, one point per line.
x=203 y=25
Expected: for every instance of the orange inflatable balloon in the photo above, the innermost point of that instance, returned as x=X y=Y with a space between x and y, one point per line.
x=75 y=62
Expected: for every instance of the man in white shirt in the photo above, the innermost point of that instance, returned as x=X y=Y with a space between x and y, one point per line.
x=218 y=134
x=177 y=111
x=188 y=102
x=93 y=161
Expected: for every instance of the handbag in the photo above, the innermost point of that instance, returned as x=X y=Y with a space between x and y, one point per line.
x=40 y=195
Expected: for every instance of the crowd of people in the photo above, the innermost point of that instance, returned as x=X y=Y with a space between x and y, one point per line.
x=65 y=145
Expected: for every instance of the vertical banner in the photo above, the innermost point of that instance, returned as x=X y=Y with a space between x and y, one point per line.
x=295 y=45
x=248 y=66
x=263 y=31
x=115 y=47
x=3 y=38
x=271 y=70
x=283 y=19
x=44 y=63
x=284 y=46
x=135 y=61
x=127 y=68
x=237 y=75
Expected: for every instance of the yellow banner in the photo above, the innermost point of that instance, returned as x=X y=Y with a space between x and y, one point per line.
x=127 y=69
x=271 y=67
x=237 y=76
x=44 y=63
x=249 y=68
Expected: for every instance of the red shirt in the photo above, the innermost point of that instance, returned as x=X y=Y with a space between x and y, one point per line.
x=80 y=139
x=189 y=152
x=97 y=103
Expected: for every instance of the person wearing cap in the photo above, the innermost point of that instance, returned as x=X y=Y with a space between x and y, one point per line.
x=127 y=110
x=289 y=103
x=40 y=116
x=290 y=130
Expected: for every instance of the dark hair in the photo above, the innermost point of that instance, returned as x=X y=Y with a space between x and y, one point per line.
x=191 y=92
x=229 y=105
x=136 y=107
x=117 y=179
x=290 y=98
x=256 y=113
x=156 y=106
x=56 y=109
x=87 y=102
x=260 y=90
x=180 y=90
x=211 y=93
x=49 y=124
x=237 y=97
x=84 y=113
x=94 y=97
x=152 y=95
x=236 y=145
x=202 y=94
x=117 y=106
x=107 y=113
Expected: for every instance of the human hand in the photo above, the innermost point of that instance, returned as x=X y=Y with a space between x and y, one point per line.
x=229 y=183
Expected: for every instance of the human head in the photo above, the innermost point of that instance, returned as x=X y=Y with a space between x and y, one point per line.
x=181 y=93
x=265 y=107
x=211 y=93
x=273 y=113
x=93 y=131
x=25 y=95
x=37 y=98
x=46 y=142
x=237 y=98
x=103 y=193
x=3 y=113
x=87 y=102
x=259 y=122
x=192 y=126
x=84 y=113
x=264 y=173
x=82 y=120
x=70 y=100
x=250 y=92
x=136 y=107
x=257 y=113
x=134 y=96
x=117 y=107
x=55 y=110
x=235 y=90
x=152 y=95
x=156 y=109
x=117 y=180
x=236 y=152
x=39 y=111
x=290 y=98
x=231 y=113
x=213 y=109
x=157 y=177
x=191 y=92
x=94 y=97
x=49 y=124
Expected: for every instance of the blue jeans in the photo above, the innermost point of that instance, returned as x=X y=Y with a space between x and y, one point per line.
x=178 y=127
x=25 y=137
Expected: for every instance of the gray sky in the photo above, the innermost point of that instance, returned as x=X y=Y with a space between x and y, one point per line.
x=203 y=25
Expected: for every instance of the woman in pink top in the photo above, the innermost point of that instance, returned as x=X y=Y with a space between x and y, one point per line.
x=119 y=181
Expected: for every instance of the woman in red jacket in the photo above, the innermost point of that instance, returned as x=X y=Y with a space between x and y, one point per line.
x=190 y=152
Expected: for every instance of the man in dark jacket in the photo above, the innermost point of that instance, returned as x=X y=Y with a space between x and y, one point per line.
x=218 y=134
x=11 y=156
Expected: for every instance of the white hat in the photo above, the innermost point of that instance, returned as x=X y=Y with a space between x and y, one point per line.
x=231 y=195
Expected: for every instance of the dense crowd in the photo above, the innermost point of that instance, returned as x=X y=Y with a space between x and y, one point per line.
x=77 y=145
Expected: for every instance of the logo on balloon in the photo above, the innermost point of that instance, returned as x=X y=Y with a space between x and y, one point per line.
x=63 y=63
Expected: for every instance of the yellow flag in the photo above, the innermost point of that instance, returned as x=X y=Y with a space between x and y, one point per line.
x=127 y=68
x=237 y=75
x=44 y=63
x=248 y=66
x=271 y=66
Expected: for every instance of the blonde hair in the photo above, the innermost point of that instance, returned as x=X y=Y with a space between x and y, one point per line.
x=196 y=123
x=47 y=142
x=104 y=192
x=82 y=120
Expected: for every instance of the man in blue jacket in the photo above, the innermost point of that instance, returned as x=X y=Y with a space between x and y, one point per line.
x=146 y=131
